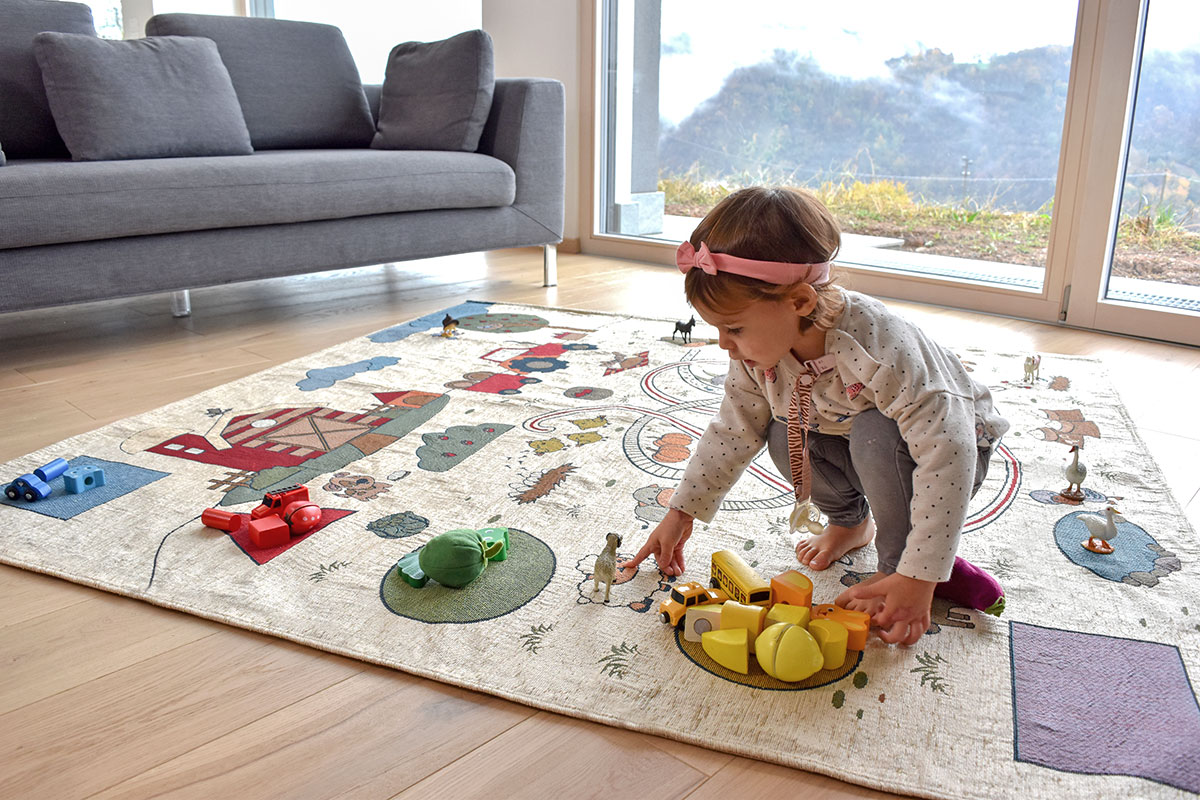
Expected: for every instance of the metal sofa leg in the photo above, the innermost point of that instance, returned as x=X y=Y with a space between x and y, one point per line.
x=181 y=303
x=549 y=265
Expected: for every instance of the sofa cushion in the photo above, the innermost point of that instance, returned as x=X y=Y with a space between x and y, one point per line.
x=26 y=126
x=47 y=202
x=437 y=95
x=296 y=81
x=145 y=98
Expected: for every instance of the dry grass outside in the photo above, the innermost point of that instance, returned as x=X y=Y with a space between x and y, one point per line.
x=1148 y=247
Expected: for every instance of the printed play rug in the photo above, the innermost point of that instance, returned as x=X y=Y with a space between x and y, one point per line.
x=546 y=430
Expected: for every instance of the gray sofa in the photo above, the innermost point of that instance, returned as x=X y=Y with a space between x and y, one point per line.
x=77 y=231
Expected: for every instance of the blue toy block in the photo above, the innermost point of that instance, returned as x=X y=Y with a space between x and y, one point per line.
x=28 y=486
x=48 y=472
x=79 y=479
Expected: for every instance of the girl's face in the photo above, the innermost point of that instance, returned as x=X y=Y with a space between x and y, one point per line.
x=761 y=333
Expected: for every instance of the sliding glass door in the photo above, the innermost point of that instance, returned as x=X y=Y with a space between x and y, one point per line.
x=967 y=150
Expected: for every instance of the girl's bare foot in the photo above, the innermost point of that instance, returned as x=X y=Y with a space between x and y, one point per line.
x=868 y=605
x=818 y=552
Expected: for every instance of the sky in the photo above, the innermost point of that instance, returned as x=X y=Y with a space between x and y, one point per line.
x=855 y=38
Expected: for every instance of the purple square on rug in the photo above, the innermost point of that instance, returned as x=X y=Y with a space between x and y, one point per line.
x=1101 y=705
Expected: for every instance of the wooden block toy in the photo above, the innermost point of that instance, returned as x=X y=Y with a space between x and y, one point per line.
x=82 y=478
x=736 y=615
x=832 y=637
x=269 y=532
x=796 y=615
x=789 y=653
x=493 y=535
x=222 y=520
x=302 y=516
x=699 y=620
x=730 y=649
x=857 y=623
x=410 y=571
x=52 y=470
x=792 y=588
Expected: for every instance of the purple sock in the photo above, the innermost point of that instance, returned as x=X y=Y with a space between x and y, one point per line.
x=972 y=587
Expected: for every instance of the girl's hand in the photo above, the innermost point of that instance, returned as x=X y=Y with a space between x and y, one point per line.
x=666 y=544
x=905 y=614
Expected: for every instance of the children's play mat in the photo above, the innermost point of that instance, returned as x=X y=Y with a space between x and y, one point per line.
x=561 y=427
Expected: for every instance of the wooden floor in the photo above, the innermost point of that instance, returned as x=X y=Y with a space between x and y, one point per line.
x=109 y=697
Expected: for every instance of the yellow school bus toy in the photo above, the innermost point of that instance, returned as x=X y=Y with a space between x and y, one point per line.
x=739 y=580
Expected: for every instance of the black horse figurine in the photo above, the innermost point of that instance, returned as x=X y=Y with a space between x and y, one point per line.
x=684 y=328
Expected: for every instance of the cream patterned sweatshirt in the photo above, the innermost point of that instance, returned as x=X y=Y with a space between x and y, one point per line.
x=882 y=361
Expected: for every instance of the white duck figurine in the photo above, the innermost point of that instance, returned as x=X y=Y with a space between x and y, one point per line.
x=1076 y=473
x=1102 y=530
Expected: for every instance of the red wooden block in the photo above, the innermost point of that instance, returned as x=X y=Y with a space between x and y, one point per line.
x=269 y=532
x=221 y=520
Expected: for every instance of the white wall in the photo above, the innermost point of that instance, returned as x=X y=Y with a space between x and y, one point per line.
x=540 y=38
x=373 y=27
x=136 y=12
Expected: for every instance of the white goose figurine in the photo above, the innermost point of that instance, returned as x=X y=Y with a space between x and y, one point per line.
x=1102 y=531
x=1076 y=474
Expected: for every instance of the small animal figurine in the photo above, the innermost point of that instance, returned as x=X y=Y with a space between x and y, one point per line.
x=684 y=328
x=1076 y=473
x=449 y=325
x=606 y=565
x=1101 y=532
x=1032 y=367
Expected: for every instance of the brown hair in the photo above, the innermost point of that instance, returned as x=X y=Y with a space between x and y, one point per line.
x=766 y=224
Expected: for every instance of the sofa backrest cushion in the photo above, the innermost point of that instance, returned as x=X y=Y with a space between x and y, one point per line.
x=26 y=125
x=296 y=81
x=145 y=98
x=437 y=95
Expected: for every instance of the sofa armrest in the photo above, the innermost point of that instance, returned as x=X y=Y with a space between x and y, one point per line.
x=526 y=130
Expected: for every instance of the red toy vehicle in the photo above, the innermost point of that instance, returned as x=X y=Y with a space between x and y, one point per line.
x=280 y=516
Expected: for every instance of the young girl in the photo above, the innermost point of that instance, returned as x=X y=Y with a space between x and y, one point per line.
x=881 y=426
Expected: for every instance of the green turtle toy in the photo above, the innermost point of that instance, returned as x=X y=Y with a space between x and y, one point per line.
x=455 y=558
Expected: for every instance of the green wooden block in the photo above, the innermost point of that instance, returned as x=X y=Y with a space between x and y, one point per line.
x=410 y=571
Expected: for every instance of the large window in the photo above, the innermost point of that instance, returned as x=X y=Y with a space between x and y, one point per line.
x=1156 y=258
x=928 y=134
x=1036 y=158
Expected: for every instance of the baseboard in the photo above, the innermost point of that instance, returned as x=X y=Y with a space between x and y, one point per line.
x=570 y=246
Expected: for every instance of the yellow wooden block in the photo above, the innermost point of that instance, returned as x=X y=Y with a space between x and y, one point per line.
x=736 y=615
x=729 y=648
x=832 y=637
x=793 y=588
x=788 y=652
x=858 y=623
x=797 y=615
x=701 y=619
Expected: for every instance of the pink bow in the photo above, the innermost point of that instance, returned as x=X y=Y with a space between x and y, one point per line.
x=687 y=257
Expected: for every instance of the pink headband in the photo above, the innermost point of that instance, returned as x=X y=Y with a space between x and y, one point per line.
x=779 y=272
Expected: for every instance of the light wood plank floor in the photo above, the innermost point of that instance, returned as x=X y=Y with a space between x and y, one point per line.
x=109 y=697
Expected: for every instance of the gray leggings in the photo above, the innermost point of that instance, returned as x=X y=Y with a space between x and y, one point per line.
x=870 y=470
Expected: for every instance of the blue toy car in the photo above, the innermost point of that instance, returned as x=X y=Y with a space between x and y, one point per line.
x=28 y=487
x=36 y=485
